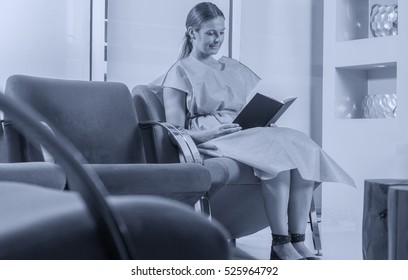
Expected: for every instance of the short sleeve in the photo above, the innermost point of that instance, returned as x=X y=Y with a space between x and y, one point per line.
x=176 y=78
x=246 y=75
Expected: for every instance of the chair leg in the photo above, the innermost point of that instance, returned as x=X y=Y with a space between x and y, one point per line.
x=203 y=206
x=314 y=224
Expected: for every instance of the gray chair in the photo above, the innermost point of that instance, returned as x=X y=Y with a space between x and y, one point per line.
x=235 y=194
x=100 y=120
x=87 y=223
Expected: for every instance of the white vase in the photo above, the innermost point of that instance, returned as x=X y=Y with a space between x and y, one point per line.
x=379 y=105
x=384 y=20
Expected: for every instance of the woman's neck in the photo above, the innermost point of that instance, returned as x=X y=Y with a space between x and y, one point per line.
x=209 y=60
x=206 y=58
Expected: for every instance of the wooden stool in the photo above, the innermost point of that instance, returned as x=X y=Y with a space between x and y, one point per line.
x=398 y=223
x=375 y=221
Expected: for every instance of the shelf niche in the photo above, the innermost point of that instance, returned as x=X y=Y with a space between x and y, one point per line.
x=353 y=18
x=354 y=83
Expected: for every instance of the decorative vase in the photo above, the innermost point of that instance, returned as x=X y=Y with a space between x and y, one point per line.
x=384 y=20
x=346 y=108
x=379 y=105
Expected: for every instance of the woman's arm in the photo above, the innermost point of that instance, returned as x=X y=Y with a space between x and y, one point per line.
x=175 y=110
x=175 y=106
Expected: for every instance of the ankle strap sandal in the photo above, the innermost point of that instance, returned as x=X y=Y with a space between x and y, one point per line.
x=279 y=239
x=296 y=238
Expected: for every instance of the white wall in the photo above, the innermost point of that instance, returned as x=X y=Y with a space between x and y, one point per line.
x=44 y=38
x=281 y=40
x=144 y=37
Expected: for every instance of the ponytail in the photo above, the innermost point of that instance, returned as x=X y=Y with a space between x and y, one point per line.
x=186 y=47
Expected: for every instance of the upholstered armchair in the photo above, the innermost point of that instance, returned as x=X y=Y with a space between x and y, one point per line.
x=235 y=194
x=100 y=120
x=87 y=223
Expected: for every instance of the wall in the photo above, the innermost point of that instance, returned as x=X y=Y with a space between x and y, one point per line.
x=281 y=40
x=44 y=38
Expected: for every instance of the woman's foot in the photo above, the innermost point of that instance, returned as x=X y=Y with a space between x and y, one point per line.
x=304 y=251
x=282 y=248
x=300 y=246
x=285 y=252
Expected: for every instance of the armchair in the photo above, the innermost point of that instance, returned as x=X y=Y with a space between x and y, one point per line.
x=234 y=185
x=100 y=120
x=86 y=223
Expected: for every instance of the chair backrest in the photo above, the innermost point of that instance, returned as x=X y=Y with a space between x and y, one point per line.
x=97 y=117
x=148 y=101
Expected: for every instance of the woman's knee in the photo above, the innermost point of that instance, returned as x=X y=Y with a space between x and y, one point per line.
x=297 y=179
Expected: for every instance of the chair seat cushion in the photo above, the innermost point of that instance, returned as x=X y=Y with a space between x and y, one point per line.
x=39 y=223
x=182 y=182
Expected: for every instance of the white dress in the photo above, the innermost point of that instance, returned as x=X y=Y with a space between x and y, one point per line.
x=217 y=96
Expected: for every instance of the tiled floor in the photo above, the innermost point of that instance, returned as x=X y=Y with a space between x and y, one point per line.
x=339 y=242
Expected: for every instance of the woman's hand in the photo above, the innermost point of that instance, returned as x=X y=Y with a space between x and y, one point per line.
x=201 y=136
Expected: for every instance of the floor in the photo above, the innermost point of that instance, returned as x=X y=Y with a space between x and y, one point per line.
x=340 y=241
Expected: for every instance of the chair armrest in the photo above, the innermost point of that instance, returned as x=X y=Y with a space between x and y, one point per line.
x=188 y=151
x=46 y=155
x=15 y=141
x=184 y=182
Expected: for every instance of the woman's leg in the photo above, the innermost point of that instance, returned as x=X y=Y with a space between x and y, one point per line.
x=300 y=198
x=275 y=194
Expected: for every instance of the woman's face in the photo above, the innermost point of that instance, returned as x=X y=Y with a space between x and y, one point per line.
x=209 y=38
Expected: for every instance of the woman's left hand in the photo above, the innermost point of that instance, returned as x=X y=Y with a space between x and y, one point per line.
x=201 y=136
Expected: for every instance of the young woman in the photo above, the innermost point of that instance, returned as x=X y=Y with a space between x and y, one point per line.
x=204 y=95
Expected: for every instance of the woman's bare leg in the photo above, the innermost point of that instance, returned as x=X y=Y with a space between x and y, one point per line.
x=300 y=198
x=276 y=194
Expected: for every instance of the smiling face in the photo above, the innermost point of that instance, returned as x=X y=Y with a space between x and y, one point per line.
x=208 y=39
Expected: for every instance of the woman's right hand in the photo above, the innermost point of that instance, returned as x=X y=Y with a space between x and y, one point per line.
x=201 y=136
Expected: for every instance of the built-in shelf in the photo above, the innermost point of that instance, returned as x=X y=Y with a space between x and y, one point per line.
x=366 y=51
x=359 y=66
x=366 y=91
x=353 y=18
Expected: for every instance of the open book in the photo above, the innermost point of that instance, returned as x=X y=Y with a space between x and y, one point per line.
x=262 y=110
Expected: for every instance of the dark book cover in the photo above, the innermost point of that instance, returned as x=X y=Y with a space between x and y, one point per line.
x=262 y=110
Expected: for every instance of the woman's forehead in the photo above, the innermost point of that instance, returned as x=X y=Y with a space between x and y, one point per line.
x=217 y=23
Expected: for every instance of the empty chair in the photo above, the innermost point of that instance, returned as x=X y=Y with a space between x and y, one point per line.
x=100 y=120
